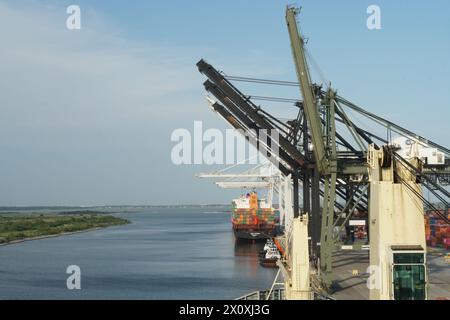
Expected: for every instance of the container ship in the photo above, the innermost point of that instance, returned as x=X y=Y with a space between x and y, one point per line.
x=254 y=218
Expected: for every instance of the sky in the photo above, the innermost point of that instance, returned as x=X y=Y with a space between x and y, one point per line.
x=87 y=115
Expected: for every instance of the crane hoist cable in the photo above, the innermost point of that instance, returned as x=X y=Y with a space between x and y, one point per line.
x=414 y=171
x=373 y=117
x=422 y=198
x=315 y=65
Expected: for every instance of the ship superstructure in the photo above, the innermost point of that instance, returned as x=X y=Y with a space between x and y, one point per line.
x=253 y=218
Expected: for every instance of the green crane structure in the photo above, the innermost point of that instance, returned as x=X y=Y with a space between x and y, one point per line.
x=334 y=169
x=323 y=140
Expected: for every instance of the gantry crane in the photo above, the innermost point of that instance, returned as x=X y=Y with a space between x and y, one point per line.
x=364 y=172
x=396 y=223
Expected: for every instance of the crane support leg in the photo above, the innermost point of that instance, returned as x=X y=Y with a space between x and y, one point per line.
x=397 y=231
x=326 y=239
x=298 y=284
x=329 y=195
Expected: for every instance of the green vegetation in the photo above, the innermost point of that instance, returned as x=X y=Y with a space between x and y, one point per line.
x=17 y=227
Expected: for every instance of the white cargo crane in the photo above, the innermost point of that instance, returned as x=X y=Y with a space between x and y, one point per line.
x=294 y=265
x=262 y=176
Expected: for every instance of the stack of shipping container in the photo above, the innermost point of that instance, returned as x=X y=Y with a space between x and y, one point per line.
x=255 y=215
x=437 y=231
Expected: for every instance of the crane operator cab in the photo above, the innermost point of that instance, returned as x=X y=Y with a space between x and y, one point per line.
x=408 y=273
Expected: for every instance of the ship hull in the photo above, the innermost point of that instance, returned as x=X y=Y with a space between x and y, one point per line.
x=253 y=219
x=254 y=234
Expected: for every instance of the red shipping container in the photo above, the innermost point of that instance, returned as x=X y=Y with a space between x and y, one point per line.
x=446 y=243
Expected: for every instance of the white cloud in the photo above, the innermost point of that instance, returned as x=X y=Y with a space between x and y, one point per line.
x=53 y=77
x=86 y=116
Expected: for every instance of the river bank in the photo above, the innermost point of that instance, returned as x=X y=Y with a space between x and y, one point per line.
x=16 y=228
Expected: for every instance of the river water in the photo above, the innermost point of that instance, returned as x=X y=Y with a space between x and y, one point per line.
x=165 y=253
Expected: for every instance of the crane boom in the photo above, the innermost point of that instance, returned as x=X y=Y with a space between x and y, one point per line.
x=309 y=101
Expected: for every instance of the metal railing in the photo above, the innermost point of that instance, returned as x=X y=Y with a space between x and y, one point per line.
x=275 y=294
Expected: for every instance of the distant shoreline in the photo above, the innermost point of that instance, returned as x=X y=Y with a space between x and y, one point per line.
x=51 y=236
x=110 y=207
x=17 y=228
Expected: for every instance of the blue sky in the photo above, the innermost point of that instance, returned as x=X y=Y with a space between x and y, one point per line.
x=87 y=115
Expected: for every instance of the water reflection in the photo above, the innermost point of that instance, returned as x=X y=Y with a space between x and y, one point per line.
x=247 y=249
x=165 y=253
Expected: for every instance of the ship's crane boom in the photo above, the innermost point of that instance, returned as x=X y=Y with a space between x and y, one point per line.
x=309 y=101
x=371 y=172
x=243 y=184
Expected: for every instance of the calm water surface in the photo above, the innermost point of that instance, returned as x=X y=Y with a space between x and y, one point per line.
x=165 y=253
